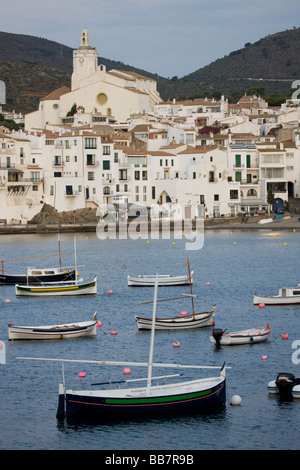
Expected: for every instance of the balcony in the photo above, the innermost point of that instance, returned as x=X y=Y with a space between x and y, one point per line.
x=57 y=163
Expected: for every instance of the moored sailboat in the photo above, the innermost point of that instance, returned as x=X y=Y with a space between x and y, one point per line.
x=180 y=396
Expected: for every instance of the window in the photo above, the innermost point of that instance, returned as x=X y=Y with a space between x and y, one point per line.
x=216 y=197
x=160 y=162
x=251 y=192
x=106 y=165
x=238 y=161
x=136 y=175
x=234 y=194
x=201 y=198
x=106 y=190
x=248 y=158
x=125 y=188
x=51 y=190
x=116 y=159
x=238 y=176
x=35 y=176
x=90 y=143
x=35 y=187
x=57 y=174
x=69 y=190
x=90 y=159
x=106 y=150
x=57 y=160
x=137 y=189
x=144 y=175
x=153 y=192
x=194 y=175
x=122 y=174
x=211 y=176
x=67 y=158
x=91 y=175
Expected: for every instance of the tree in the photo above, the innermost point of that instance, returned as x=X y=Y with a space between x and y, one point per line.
x=73 y=110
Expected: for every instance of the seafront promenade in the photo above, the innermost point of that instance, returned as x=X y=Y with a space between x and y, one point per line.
x=286 y=223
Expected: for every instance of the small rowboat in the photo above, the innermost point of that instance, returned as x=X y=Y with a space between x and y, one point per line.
x=164 y=280
x=57 y=289
x=196 y=320
x=60 y=331
x=253 y=335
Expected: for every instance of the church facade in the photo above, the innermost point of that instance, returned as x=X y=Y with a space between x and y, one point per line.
x=96 y=93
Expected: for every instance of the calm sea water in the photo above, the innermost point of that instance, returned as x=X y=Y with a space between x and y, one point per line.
x=257 y=262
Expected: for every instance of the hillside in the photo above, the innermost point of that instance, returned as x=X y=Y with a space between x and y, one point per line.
x=32 y=67
x=272 y=62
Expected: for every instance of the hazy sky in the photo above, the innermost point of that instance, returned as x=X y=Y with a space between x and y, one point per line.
x=167 y=37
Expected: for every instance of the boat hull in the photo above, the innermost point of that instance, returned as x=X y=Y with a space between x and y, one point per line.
x=209 y=393
x=243 y=337
x=163 y=281
x=11 y=279
x=63 y=331
x=198 y=320
x=57 y=290
x=276 y=300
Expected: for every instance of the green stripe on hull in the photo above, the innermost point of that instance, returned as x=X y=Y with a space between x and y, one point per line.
x=133 y=401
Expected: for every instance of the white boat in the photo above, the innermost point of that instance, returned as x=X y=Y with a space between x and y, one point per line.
x=58 y=289
x=164 y=280
x=184 y=322
x=201 y=393
x=286 y=296
x=196 y=320
x=60 y=331
x=250 y=336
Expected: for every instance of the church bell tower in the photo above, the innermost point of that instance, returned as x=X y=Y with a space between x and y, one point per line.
x=85 y=61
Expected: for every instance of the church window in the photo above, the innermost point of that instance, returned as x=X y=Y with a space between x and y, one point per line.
x=101 y=98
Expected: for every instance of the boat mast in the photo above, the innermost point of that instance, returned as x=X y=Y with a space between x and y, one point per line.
x=59 y=254
x=191 y=287
x=150 y=363
x=75 y=260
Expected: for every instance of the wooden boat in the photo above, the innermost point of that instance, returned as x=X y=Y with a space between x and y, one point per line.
x=196 y=320
x=60 y=331
x=253 y=335
x=36 y=275
x=286 y=296
x=146 y=400
x=58 y=289
x=184 y=322
x=164 y=280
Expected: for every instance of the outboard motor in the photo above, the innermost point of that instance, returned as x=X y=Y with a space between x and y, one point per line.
x=217 y=335
x=285 y=383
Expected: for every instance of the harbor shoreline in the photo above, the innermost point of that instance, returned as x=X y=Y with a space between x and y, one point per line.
x=286 y=223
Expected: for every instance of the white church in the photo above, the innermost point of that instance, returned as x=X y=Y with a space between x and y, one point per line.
x=98 y=94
